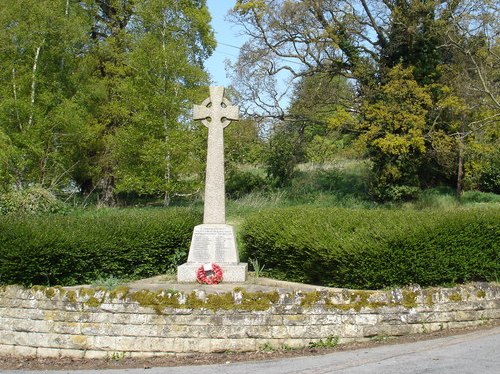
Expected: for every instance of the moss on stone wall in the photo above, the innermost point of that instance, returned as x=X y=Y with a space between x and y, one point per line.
x=409 y=299
x=240 y=299
x=456 y=297
x=481 y=294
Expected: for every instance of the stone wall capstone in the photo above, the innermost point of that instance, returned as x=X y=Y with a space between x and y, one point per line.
x=94 y=323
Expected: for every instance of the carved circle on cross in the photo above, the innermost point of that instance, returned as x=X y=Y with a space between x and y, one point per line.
x=207 y=103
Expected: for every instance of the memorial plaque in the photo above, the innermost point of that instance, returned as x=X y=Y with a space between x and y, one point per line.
x=213 y=243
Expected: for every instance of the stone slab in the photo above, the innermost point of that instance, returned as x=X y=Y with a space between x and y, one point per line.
x=213 y=243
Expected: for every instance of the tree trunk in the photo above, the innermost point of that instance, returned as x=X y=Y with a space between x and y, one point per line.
x=166 y=199
x=33 y=85
x=66 y=14
x=460 y=172
x=167 y=174
x=108 y=191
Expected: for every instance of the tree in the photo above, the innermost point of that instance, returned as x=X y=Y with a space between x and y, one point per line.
x=156 y=149
x=38 y=90
x=364 y=41
x=282 y=156
x=95 y=94
x=473 y=38
x=393 y=132
x=322 y=109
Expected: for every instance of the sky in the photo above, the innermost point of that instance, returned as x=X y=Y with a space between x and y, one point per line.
x=229 y=40
x=227 y=36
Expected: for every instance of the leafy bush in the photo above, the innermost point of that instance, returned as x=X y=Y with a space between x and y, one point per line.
x=489 y=180
x=282 y=158
x=241 y=183
x=375 y=248
x=79 y=248
x=393 y=193
x=480 y=197
x=32 y=200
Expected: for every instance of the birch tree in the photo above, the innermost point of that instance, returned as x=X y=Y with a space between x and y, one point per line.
x=39 y=43
x=157 y=153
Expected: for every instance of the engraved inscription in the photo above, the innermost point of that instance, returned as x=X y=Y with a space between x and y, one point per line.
x=200 y=248
x=221 y=249
x=213 y=244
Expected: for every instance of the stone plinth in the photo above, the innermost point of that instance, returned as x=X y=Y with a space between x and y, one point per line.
x=213 y=243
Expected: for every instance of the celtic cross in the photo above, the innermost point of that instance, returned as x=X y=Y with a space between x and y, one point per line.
x=216 y=113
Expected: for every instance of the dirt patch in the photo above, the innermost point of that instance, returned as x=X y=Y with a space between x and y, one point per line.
x=29 y=363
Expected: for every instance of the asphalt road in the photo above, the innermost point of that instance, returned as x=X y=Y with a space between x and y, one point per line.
x=476 y=353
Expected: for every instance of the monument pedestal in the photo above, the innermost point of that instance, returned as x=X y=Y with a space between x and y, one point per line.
x=213 y=243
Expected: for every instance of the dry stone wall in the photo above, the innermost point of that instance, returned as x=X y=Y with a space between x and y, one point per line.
x=88 y=323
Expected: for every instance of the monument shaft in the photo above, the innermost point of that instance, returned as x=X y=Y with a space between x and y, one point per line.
x=215 y=193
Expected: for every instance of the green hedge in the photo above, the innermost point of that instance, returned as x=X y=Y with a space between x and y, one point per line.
x=81 y=247
x=372 y=249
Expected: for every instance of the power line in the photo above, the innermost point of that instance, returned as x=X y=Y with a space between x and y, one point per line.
x=239 y=48
x=225 y=53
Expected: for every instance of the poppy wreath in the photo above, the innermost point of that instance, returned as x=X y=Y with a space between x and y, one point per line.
x=211 y=276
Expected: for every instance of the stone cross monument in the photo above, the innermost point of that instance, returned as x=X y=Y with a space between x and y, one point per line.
x=214 y=241
x=216 y=113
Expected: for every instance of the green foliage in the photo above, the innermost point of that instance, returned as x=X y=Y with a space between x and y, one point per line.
x=329 y=342
x=321 y=99
x=437 y=198
x=267 y=347
x=340 y=183
x=415 y=33
x=32 y=200
x=479 y=197
x=153 y=151
x=242 y=142
x=39 y=111
x=79 y=248
x=397 y=193
x=425 y=77
x=372 y=249
x=256 y=267
x=281 y=158
x=489 y=179
x=109 y=283
x=240 y=183
x=96 y=95
x=393 y=134
x=321 y=150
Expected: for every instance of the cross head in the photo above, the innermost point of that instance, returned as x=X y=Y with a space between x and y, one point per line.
x=216 y=109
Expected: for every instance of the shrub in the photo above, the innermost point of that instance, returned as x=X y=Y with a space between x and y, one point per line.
x=480 y=197
x=489 y=179
x=282 y=158
x=375 y=248
x=79 y=248
x=32 y=200
x=241 y=183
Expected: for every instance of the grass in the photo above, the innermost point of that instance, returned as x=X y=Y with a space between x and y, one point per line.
x=108 y=283
x=345 y=184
